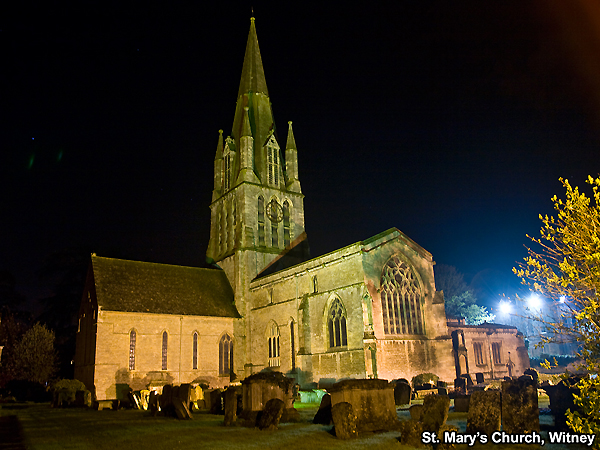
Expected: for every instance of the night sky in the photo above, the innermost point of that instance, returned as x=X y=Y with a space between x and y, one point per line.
x=451 y=121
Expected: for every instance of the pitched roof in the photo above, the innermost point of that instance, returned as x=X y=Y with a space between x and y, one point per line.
x=135 y=286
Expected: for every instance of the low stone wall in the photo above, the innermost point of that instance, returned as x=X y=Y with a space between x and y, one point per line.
x=372 y=401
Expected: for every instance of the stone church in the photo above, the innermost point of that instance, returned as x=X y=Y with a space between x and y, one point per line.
x=368 y=310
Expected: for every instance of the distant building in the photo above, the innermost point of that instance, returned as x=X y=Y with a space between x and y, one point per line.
x=367 y=310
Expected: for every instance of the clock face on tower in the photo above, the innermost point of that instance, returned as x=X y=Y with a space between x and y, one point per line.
x=274 y=211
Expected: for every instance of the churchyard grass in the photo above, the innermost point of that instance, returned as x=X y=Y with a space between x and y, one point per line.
x=45 y=428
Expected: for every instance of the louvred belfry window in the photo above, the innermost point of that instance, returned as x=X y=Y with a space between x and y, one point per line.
x=273 y=165
x=132 y=350
x=400 y=299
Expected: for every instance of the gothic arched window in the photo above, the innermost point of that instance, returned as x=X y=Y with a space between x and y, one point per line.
x=132 y=350
x=274 y=346
x=336 y=325
x=195 y=351
x=165 y=339
x=400 y=299
x=286 y=224
x=261 y=222
x=225 y=355
x=273 y=164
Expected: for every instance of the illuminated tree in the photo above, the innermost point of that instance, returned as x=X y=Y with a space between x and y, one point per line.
x=35 y=357
x=566 y=268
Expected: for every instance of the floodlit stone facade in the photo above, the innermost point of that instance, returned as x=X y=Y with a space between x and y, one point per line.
x=368 y=310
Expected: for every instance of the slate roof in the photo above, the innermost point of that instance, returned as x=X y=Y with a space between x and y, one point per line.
x=135 y=286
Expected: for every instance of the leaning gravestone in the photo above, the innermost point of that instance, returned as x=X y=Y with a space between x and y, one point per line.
x=402 y=393
x=484 y=412
x=435 y=412
x=271 y=415
x=181 y=409
x=344 y=420
x=520 y=413
x=323 y=415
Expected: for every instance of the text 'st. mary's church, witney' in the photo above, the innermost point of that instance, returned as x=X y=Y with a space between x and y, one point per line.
x=367 y=310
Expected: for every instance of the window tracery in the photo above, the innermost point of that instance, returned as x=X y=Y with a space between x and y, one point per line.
x=225 y=355
x=273 y=163
x=132 y=339
x=336 y=325
x=400 y=299
x=273 y=343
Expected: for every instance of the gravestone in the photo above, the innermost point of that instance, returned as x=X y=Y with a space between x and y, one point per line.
x=561 y=399
x=435 y=412
x=271 y=415
x=479 y=378
x=402 y=393
x=185 y=393
x=153 y=401
x=181 y=409
x=83 y=398
x=411 y=432
x=166 y=400
x=461 y=403
x=216 y=401
x=416 y=412
x=344 y=420
x=520 y=413
x=533 y=373
x=230 y=406
x=485 y=410
x=259 y=388
x=460 y=384
x=372 y=401
x=323 y=415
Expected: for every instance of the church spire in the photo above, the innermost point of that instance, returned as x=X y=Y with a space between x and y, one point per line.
x=253 y=74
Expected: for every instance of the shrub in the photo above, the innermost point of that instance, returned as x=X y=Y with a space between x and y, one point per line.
x=424 y=378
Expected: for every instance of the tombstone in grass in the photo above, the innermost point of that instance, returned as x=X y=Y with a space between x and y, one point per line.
x=166 y=400
x=435 y=412
x=402 y=393
x=561 y=399
x=271 y=415
x=181 y=409
x=411 y=432
x=216 y=401
x=461 y=403
x=479 y=378
x=484 y=412
x=259 y=388
x=185 y=394
x=323 y=415
x=153 y=401
x=230 y=406
x=416 y=412
x=83 y=399
x=520 y=413
x=372 y=400
x=344 y=420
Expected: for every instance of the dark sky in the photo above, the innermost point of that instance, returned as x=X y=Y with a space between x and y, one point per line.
x=451 y=121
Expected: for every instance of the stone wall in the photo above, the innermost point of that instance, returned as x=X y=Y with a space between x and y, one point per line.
x=111 y=375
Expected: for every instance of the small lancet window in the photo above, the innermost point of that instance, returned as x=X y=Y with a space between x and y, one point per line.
x=261 y=222
x=195 y=351
x=273 y=343
x=225 y=355
x=293 y=345
x=336 y=324
x=132 y=350
x=226 y=169
x=286 y=224
x=165 y=339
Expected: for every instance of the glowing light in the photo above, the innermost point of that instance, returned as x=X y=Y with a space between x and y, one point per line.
x=505 y=307
x=562 y=299
x=31 y=158
x=535 y=301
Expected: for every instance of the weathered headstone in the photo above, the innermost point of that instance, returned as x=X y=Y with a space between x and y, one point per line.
x=323 y=415
x=344 y=420
x=561 y=399
x=435 y=412
x=230 y=406
x=83 y=398
x=461 y=403
x=416 y=412
x=411 y=432
x=440 y=435
x=181 y=409
x=402 y=393
x=485 y=410
x=216 y=401
x=479 y=378
x=153 y=401
x=185 y=393
x=271 y=415
x=520 y=413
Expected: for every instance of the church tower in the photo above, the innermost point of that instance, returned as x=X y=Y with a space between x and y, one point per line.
x=257 y=209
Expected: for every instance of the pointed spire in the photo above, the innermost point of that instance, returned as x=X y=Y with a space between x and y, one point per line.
x=246 y=130
x=291 y=142
x=219 y=154
x=253 y=74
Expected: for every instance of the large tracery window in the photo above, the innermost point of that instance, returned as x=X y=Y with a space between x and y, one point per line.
x=336 y=325
x=400 y=299
x=274 y=346
x=261 y=222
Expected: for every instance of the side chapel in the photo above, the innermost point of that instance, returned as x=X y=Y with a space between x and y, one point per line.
x=368 y=310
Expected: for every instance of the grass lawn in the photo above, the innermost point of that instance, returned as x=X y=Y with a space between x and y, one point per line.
x=45 y=428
